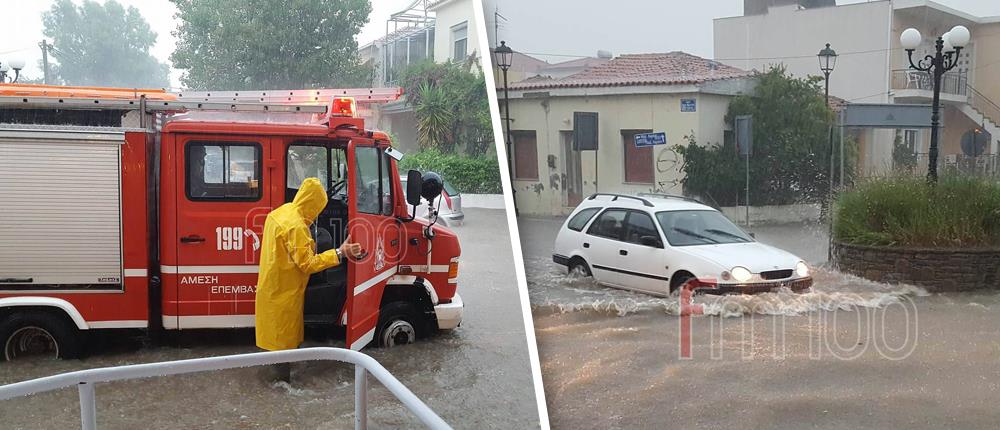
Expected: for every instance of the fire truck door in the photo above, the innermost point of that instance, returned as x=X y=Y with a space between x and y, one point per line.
x=371 y=223
x=222 y=200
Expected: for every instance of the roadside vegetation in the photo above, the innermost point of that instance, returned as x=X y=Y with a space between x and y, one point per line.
x=474 y=175
x=901 y=210
x=791 y=149
x=454 y=128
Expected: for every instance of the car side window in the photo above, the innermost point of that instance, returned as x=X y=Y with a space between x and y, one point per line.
x=581 y=219
x=640 y=230
x=610 y=224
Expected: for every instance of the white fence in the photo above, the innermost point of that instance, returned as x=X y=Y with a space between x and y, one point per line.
x=363 y=365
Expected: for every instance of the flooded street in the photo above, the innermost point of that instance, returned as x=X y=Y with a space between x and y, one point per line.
x=847 y=354
x=475 y=377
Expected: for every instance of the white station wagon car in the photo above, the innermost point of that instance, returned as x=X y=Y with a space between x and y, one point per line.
x=656 y=243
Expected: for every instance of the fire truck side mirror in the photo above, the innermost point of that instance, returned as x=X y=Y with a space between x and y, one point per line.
x=414 y=184
x=432 y=186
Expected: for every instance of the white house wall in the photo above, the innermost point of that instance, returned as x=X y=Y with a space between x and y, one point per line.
x=786 y=35
x=549 y=116
x=448 y=15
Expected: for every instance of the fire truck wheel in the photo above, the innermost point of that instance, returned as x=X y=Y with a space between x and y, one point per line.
x=398 y=324
x=38 y=334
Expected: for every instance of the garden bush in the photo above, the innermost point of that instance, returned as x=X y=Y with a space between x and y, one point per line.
x=473 y=175
x=957 y=212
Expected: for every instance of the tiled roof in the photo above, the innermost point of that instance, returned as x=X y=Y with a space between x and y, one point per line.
x=672 y=68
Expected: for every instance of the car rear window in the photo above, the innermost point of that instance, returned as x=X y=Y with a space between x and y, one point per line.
x=581 y=218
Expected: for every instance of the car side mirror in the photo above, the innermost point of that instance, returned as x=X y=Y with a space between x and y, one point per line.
x=651 y=241
x=414 y=183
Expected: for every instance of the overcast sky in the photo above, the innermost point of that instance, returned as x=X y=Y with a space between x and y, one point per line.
x=573 y=27
x=23 y=38
x=557 y=27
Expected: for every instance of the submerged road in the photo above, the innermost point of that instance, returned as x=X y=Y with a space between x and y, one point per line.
x=848 y=354
x=475 y=377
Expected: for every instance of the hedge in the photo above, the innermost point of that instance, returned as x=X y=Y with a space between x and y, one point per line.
x=472 y=175
x=957 y=212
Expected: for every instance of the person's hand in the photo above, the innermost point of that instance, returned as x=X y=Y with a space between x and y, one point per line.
x=350 y=249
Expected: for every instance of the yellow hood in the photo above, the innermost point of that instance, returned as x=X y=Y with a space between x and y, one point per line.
x=310 y=199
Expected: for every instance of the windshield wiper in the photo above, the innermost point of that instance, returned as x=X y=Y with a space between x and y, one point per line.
x=726 y=233
x=693 y=234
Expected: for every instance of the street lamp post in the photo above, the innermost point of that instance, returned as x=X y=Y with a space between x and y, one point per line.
x=947 y=49
x=16 y=64
x=503 y=58
x=827 y=61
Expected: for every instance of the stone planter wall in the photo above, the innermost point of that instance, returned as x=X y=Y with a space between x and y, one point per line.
x=935 y=269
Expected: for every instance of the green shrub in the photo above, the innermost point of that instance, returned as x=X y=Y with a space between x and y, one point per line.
x=473 y=175
x=906 y=211
x=791 y=149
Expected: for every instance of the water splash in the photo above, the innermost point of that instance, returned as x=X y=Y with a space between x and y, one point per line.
x=554 y=290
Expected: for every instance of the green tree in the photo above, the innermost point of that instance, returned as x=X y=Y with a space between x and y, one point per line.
x=105 y=44
x=791 y=149
x=270 y=44
x=451 y=107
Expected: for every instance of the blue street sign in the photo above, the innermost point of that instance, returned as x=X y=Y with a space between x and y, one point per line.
x=689 y=105
x=649 y=139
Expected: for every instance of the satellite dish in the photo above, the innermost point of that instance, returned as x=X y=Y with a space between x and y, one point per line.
x=975 y=141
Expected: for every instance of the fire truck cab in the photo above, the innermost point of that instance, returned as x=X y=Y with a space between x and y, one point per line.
x=156 y=222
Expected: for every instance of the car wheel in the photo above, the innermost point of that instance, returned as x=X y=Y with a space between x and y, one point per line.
x=399 y=323
x=678 y=280
x=38 y=335
x=578 y=265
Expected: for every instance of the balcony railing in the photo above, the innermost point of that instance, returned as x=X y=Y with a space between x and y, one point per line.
x=981 y=165
x=955 y=83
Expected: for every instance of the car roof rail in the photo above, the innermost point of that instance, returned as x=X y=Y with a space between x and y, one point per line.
x=624 y=196
x=674 y=196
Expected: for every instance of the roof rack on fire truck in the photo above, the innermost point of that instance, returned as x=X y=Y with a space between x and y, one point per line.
x=309 y=101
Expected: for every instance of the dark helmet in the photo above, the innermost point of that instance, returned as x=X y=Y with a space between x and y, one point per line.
x=432 y=185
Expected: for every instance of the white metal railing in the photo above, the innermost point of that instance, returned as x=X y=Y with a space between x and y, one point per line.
x=363 y=365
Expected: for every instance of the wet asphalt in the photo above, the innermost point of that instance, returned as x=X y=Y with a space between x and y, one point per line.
x=477 y=376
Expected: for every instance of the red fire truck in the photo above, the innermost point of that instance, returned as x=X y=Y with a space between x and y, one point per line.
x=143 y=209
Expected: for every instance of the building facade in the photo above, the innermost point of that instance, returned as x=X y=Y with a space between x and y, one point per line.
x=680 y=95
x=872 y=67
x=437 y=30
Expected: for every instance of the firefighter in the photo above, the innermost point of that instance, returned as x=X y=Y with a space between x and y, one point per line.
x=288 y=256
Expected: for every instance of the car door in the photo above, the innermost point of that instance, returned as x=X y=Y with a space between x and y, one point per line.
x=641 y=255
x=602 y=242
x=372 y=224
x=219 y=187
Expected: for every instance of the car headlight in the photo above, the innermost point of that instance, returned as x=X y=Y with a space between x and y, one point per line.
x=741 y=274
x=802 y=269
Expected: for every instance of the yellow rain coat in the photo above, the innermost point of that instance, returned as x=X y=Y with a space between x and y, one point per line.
x=288 y=256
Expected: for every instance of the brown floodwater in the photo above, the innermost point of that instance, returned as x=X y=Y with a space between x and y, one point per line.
x=848 y=354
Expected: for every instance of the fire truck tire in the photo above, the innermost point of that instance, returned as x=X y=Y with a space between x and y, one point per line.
x=399 y=323
x=39 y=329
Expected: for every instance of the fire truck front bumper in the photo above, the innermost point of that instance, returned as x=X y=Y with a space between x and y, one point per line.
x=449 y=315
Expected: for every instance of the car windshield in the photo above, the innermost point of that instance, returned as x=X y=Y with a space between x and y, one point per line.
x=699 y=227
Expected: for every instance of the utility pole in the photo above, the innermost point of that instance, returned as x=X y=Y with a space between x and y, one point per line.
x=45 y=62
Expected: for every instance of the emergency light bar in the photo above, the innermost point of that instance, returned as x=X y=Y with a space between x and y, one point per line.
x=343 y=106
